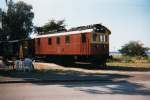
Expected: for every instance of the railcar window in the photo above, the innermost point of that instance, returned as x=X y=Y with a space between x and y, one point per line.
x=83 y=37
x=58 y=40
x=94 y=37
x=49 y=41
x=38 y=41
x=67 y=39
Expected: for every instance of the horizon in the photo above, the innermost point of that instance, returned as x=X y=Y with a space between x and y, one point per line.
x=127 y=20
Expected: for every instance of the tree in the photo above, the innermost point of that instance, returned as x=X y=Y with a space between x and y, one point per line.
x=2 y=24
x=0 y=20
x=134 y=48
x=52 y=25
x=17 y=21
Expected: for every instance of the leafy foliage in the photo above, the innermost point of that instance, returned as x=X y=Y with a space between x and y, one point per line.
x=2 y=34
x=17 y=21
x=134 y=48
x=52 y=26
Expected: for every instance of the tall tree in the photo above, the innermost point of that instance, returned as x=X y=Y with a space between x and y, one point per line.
x=3 y=25
x=17 y=22
x=0 y=18
x=0 y=23
x=52 y=25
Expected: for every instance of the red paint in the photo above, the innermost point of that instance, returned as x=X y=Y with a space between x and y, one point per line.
x=75 y=47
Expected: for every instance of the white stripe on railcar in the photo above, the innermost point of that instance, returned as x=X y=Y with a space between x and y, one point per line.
x=64 y=33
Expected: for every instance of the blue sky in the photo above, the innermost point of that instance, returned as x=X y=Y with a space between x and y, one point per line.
x=128 y=20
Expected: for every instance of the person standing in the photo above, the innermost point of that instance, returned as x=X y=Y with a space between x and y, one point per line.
x=28 y=64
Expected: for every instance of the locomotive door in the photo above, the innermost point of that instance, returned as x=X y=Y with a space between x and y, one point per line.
x=58 y=45
x=84 y=45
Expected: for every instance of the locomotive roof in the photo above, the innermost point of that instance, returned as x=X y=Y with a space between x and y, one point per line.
x=64 y=33
x=77 y=30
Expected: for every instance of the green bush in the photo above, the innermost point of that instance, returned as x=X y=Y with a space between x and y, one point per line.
x=7 y=51
x=134 y=49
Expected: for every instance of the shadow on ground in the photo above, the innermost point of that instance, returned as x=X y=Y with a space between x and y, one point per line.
x=91 y=66
x=114 y=87
x=88 y=83
x=53 y=75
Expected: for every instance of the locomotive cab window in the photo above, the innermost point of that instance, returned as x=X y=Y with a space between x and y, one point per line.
x=106 y=38
x=49 y=41
x=58 y=40
x=94 y=37
x=83 y=37
x=67 y=39
x=101 y=38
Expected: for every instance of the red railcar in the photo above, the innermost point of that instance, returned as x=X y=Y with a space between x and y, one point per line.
x=90 y=43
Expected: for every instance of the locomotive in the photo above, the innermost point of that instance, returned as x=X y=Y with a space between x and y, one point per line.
x=84 y=43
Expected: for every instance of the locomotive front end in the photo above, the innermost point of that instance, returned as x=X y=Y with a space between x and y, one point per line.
x=100 y=43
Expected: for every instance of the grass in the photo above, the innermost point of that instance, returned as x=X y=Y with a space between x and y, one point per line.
x=144 y=65
x=118 y=63
x=119 y=60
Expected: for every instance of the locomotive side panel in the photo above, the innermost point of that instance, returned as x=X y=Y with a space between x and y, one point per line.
x=63 y=45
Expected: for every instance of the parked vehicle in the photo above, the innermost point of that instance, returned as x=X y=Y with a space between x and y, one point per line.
x=84 y=43
x=87 y=43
